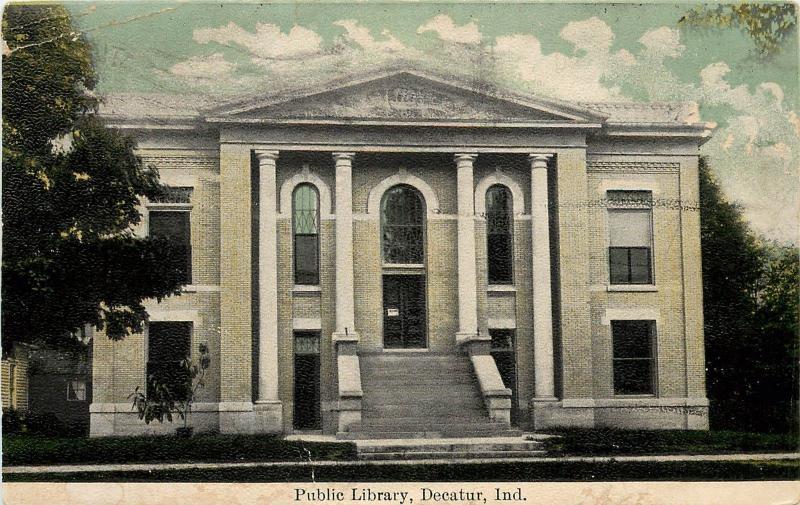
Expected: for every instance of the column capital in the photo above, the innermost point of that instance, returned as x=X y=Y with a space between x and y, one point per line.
x=343 y=156
x=539 y=160
x=266 y=155
x=465 y=157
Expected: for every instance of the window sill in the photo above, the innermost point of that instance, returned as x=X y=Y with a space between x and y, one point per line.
x=301 y=289
x=639 y=288
x=197 y=288
x=501 y=288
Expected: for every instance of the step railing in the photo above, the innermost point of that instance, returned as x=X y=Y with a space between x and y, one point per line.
x=496 y=397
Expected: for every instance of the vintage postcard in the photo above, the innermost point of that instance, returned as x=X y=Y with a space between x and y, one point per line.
x=400 y=253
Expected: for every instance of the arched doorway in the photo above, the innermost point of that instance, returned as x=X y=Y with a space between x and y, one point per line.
x=403 y=256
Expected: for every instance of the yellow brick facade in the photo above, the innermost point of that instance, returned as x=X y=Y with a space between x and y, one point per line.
x=222 y=303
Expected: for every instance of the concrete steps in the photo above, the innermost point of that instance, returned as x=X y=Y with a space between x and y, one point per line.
x=422 y=396
x=470 y=448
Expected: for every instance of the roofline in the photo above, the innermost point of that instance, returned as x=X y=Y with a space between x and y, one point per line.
x=392 y=123
x=550 y=105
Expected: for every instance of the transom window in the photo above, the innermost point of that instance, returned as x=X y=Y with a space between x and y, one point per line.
x=630 y=258
x=634 y=357
x=403 y=225
x=499 y=233
x=305 y=221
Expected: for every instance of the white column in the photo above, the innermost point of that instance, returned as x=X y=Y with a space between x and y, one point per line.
x=467 y=277
x=345 y=312
x=542 y=300
x=267 y=279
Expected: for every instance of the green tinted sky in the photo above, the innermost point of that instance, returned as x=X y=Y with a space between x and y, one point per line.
x=569 y=51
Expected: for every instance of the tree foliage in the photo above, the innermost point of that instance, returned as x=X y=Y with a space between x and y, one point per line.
x=750 y=291
x=768 y=24
x=71 y=188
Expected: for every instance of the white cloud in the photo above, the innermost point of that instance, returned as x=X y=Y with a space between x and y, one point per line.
x=571 y=77
x=444 y=26
x=268 y=42
x=212 y=66
x=362 y=36
x=663 y=42
x=592 y=35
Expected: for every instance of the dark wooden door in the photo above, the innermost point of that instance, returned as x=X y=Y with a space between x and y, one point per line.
x=505 y=356
x=404 y=323
x=307 y=412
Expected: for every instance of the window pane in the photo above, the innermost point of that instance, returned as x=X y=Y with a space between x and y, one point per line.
x=500 y=258
x=306 y=234
x=632 y=339
x=306 y=259
x=305 y=209
x=640 y=266
x=633 y=377
x=402 y=222
x=175 y=226
x=629 y=227
x=168 y=344
x=499 y=235
x=618 y=265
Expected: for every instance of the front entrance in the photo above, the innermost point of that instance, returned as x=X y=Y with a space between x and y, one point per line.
x=404 y=311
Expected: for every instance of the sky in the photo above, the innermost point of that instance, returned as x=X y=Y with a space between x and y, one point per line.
x=572 y=52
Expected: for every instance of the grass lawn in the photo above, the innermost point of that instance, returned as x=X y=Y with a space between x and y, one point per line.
x=549 y=470
x=40 y=450
x=615 y=442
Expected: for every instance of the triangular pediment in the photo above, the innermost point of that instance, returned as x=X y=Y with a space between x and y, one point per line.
x=404 y=96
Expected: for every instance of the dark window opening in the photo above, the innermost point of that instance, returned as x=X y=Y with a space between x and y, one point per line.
x=175 y=226
x=402 y=226
x=168 y=345
x=305 y=222
x=499 y=234
x=634 y=357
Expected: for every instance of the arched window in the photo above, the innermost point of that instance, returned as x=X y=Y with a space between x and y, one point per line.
x=305 y=224
x=499 y=232
x=402 y=225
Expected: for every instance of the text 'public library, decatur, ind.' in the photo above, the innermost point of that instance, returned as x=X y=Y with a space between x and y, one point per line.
x=404 y=255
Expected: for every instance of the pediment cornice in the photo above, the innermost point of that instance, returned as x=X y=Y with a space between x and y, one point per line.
x=404 y=97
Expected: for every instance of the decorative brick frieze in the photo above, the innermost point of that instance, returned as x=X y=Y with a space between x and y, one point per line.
x=638 y=167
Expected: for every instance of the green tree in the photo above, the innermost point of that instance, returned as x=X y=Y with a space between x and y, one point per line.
x=750 y=305
x=769 y=25
x=70 y=257
x=775 y=392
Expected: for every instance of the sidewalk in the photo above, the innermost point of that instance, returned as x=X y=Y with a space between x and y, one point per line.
x=360 y=463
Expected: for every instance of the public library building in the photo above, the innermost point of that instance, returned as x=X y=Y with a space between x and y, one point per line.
x=402 y=255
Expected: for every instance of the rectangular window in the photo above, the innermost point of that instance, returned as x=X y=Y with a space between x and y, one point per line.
x=76 y=390
x=634 y=357
x=168 y=344
x=175 y=225
x=630 y=237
